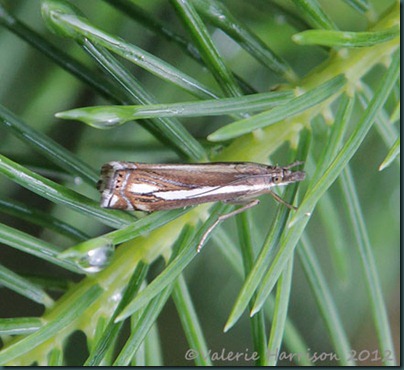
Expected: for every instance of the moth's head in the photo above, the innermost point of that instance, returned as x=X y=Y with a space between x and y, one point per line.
x=284 y=175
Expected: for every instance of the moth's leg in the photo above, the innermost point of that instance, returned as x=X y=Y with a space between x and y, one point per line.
x=244 y=199
x=225 y=217
x=280 y=200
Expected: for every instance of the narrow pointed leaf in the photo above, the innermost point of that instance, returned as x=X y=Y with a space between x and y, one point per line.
x=277 y=114
x=345 y=39
x=66 y=20
x=393 y=153
x=109 y=116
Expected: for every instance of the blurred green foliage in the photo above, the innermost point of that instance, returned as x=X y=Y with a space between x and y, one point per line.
x=334 y=296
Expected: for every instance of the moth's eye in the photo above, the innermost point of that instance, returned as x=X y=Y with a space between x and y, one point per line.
x=278 y=179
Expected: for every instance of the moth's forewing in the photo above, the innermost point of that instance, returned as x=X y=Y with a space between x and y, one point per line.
x=148 y=187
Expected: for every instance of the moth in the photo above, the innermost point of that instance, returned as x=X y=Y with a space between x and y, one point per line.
x=154 y=187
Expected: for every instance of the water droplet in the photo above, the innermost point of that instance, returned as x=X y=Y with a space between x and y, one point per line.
x=116 y=297
x=96 y=259
x=77 y=180
x=104 y=120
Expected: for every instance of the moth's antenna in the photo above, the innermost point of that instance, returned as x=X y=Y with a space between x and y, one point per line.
x=294 y=164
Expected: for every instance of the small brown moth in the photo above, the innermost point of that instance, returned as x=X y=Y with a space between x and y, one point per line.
x=155 y=187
